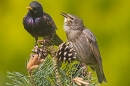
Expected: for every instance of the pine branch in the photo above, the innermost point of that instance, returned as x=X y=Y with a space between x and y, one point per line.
x=46 y=67
x=18 y=79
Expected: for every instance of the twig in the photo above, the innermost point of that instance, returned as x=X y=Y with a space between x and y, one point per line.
x=52 y=51
x=80 y=81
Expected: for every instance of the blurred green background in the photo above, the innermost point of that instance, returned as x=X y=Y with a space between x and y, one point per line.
x=109 y=20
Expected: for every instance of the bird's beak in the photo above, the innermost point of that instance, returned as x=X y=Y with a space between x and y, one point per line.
x=29 y=8
x=65 y=15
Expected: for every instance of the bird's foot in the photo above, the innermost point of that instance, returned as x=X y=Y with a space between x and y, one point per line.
x=44 y=41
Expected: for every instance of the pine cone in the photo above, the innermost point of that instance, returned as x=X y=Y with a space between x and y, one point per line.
x=39 y=53
x=65 y=52
x=41 y=50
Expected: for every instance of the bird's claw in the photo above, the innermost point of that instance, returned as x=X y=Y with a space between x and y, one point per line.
x=44 y=41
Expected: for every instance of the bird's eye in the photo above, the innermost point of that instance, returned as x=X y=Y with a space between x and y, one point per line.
x=34 y=8
x=71 y=18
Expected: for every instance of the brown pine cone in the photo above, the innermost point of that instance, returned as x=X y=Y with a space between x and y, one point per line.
x=41 y=50
x=65 y=52
x=39 y=53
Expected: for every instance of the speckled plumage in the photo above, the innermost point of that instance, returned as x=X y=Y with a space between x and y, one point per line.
x=40 y=24
x=84 y=43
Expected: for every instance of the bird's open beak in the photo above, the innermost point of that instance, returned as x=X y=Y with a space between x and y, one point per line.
x=65 y=15
x=29 y=8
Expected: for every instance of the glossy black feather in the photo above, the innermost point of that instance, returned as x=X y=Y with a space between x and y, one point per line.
x=39 y=23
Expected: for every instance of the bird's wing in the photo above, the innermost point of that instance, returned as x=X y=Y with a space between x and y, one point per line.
x=93 y=44
x=49 y=20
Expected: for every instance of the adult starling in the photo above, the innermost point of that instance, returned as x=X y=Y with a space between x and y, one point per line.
x=40 y=24
x=84 y=43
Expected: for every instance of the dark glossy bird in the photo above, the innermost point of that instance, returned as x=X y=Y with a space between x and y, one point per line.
x=84 y=43
x=40 y=24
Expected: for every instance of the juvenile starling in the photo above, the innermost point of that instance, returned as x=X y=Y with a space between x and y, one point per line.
x=40 y=24
x=84 y=43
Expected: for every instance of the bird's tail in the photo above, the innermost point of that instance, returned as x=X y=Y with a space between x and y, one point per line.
x=100 y=73
x=57 y=40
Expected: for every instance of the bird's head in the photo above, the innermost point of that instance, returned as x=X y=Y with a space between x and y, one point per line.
x=71 y=20
x=35 y=8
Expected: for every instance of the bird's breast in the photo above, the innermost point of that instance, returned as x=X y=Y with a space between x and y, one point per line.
x=72 y=34
x=30 y=22
x=83 y=50
x=34 y=22
x=35 y=26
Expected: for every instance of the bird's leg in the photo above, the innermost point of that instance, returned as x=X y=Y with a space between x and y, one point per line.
x=36 y=41
x=45 y=41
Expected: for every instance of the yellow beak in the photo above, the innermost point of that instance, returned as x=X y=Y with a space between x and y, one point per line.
x=29 y=8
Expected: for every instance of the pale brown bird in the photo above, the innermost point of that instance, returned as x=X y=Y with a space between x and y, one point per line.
x=84 y=43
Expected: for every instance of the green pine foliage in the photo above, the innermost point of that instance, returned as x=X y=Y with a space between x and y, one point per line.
x=45 y=75
x=53 y=71
x=18 y=79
